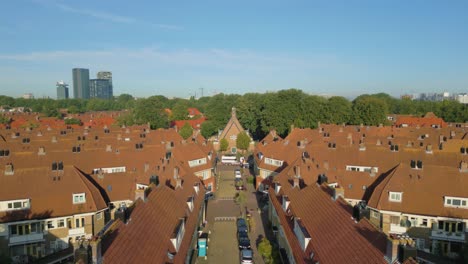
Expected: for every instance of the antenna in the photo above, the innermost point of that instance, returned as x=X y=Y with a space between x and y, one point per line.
x=201 y=90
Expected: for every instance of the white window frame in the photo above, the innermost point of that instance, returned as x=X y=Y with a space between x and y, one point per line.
x=79 y=198
x=99 y=216
x=449 y=202
x=395 y=197
x=274 y=162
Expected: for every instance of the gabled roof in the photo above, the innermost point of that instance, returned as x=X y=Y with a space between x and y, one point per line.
x=50 y=193
x=329 y=225
x=233 y=123
x=146 y=236
x=423 y=190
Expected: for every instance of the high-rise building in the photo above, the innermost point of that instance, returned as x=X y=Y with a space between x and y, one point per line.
x=28 y=96
x=107 y=75
x=100 y=88
x=62 y=90
x=80 y=83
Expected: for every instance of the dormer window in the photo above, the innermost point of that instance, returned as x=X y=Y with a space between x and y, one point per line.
x=455 y=202
x=197 y=162
x=395 y=196
x=79 y=198
x=274 y=162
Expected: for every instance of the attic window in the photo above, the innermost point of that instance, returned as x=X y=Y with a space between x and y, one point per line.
x=4 y=152
x=79 y=198
x=455 y=202
x=395 y=196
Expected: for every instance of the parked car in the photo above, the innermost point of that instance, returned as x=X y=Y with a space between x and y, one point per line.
x=246 y=256
x=241 y=222
x=243 y=239
x=238 y=174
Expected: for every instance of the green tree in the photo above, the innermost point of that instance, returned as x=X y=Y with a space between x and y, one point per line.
x=4 y=119
x=369 y=111
x=265 y=250
x=186 y=131
x=73 y=121
x=180 y=110
x=209 y=128
x=249 y=109
x=7 y=101
x=243 y=141
x=223 y=144
x=151 y=110
x=338 y=110
x=240 y=199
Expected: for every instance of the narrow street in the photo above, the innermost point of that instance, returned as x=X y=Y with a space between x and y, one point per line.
x=222 y=212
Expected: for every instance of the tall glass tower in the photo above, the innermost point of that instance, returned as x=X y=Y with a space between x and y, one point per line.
x=62 y=90
x=80 y=83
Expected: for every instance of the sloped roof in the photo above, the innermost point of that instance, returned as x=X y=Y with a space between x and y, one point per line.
x=423 y=190
x=330 y=227
x=146 y=237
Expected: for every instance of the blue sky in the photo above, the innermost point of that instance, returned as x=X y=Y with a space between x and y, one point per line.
x=175 y=47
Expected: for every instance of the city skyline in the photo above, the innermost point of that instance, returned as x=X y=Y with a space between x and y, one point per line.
x=154 y=48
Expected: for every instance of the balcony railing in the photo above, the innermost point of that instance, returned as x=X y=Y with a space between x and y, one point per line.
x=451 y=236
x=397 y=229
x=76 y=231
x=31 y=238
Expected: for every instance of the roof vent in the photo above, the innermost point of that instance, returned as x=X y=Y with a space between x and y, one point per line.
x=362 y=146
x=305 y=155
x=429 y=149
x=9 y=169
x=41 y=151
x=322 y=178
x=463 y=166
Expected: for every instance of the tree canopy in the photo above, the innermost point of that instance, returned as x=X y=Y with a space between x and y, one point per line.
x=242 y=141
x=186 y=131
x=257 y=113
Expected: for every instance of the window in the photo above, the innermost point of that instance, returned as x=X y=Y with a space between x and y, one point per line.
x=424 y=222
x=374 y=214
x=61 y=223
x=50 y=224
x=99 y=216
x=79 y=198
x=395 y=196
x=456 y=202
x=394 y=219
x=274 y=162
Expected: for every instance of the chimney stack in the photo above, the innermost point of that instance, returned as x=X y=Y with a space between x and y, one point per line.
x=392 y=249
x=41 y=151
x=96 y=254
x=429 y=149
x=463 y=166
x=337 y=192
x=9 y=169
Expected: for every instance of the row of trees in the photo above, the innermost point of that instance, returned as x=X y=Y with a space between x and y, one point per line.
x=259 y=113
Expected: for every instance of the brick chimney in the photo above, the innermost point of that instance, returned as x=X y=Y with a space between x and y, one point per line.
x=9 y=169
x=463 y=166
x=41 y=151
x=392 y=250
x=96 y=254
x=429 y=149
x=337 y=192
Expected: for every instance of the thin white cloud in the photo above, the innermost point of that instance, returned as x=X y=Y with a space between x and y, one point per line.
x=99 y=15
x=114 y=18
